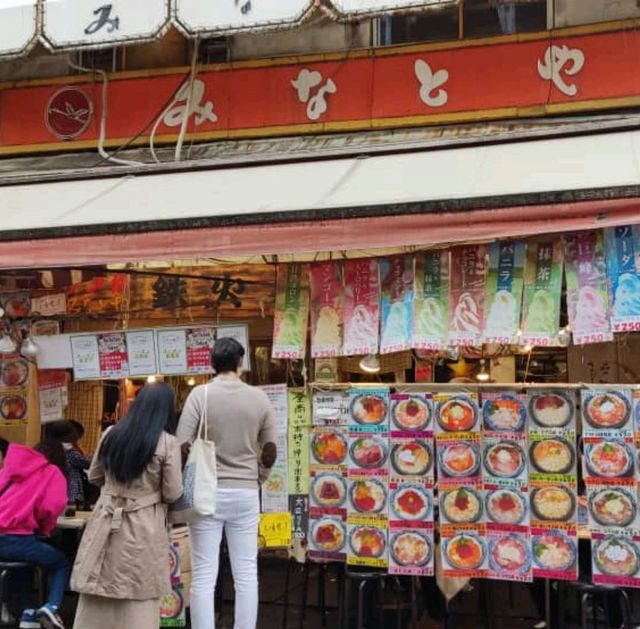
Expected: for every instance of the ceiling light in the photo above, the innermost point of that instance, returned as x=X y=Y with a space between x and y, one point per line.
x=191 y=382
x=7 y=346
x=151 y=379
x=370 y=364
x=483 y=375
x=528 y=348
x=28 y=348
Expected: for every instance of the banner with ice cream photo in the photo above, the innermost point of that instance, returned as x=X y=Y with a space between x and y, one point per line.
x=362 y=307
x=291 y=312
x=504 y=292
x=431 y=300
x=327 y=308
x=622 y=247
x=542 y=292
x=587 y=295
x=396 y=278
x=467 y=295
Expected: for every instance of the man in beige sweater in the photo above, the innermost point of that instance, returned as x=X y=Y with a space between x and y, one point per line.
x=242 y=423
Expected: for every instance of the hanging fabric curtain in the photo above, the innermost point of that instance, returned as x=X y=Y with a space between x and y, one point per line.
x=17 y=26
x=73 y=24
x=350 y=8
x=195 y=17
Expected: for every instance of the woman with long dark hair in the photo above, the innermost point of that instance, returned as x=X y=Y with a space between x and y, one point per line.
x=122 y=568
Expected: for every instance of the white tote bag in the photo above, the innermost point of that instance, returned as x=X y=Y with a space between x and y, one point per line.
x=199 y=477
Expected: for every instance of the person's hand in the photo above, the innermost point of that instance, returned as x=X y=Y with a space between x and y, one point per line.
x=185 y=449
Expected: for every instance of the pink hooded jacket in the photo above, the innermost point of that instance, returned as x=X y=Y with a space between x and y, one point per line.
x=36 y=493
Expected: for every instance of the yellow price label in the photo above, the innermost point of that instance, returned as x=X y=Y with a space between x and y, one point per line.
x=275 y=530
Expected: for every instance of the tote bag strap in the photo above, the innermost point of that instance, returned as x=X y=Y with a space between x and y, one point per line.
x=203 y=428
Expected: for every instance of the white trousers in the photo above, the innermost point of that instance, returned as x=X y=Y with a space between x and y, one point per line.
x=238 y=515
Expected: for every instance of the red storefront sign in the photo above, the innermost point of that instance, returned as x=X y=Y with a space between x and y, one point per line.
x=411 y=86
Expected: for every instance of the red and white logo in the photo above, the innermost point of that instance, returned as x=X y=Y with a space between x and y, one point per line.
x=68 y=113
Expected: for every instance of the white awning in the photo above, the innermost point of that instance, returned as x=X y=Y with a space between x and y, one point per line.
x=17 y=26
x=195 y=17
x=576 y=163
x=367 y=7
x=73 y=24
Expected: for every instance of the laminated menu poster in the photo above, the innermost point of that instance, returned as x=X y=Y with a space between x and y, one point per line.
x=506 y=486
x=611 y=479
x=463 y=541
x=291 y=312
x=622 y=252
x=542 y=292
x=553 y=483
x=396 y=278
x=587 y=294
x=85 y=357
x=505 y=282
x=327 y=309
x=368 y=477
x=467 y=295
x=362 y=307
x=411 y=545
x=171 y=346
x=330 y=408
x=328 y=487
x=141 y=349
x=431 y=300
x=275 y=494
x=113 y=356
x=299 y=409
x=200 y=342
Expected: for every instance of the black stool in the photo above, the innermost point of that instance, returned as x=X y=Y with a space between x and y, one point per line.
x=589 y=592
x=6 y=567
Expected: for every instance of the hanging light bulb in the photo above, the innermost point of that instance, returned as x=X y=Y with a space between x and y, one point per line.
x=7 y=346
x=151 y=379
x=370 y=364
x=28 y=348
x=483 y=375
x=191 y=382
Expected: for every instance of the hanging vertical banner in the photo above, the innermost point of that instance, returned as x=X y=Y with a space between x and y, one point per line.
x=368 y=474
x=587 y=295
x=275 y=497
x=622 y=246
x=553 y=484
x=431 y=300
x=467 y=294
x=292 y=312
x=506 y=486
x=362 y=307
x=505 y=281
x=542 y=292
x=327 y=309
x=411 y=546
x=396 y=280
x=299 y=408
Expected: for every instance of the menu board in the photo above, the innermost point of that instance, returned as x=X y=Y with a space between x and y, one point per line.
x=275 y=495
x=112 y=354
x=291 y=312
x=362 y=307
x=368 y=477
x=610 y=476
x=553 y=483
x=542 y=292
x=299 y=409
x=200 y=342
x=85 y=357
x=328 y=448
x=431 y=300
x=463 y=544
x=467 y=295
x=587 y=294
x=141 y=353
x=396 y=278
x=327 y=309
x=172 y=351
x=504 y=417
x=411 y=545
x=504 y=292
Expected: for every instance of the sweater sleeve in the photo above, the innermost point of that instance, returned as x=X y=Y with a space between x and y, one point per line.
x=52 y=503
x=96 y=469
x=172 y=472
x=190 y=417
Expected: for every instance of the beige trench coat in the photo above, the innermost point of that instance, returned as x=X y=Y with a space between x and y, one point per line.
x=124 y=552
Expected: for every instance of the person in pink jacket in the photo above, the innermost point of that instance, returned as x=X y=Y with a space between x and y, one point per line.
x=33 y=494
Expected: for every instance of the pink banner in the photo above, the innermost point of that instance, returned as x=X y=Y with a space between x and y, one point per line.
x=327 y=309
x=362 y=307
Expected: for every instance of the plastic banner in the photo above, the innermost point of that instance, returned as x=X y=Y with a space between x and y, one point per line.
x=292 y=312
x=327 y=309
x=431 y=300
x=396 y=278
x=362 y=307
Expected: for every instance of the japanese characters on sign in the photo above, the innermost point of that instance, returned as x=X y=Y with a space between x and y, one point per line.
x=396 y=278
x=91 y=23
x=327 y=309
x=292 y=312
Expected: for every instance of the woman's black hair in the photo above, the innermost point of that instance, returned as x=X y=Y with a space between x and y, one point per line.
x=53 y=451
x=78 y=428
x=61 y=430
x=129 y=446
x=227 y=355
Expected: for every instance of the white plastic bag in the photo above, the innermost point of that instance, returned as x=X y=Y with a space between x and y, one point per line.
x=199 y=477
